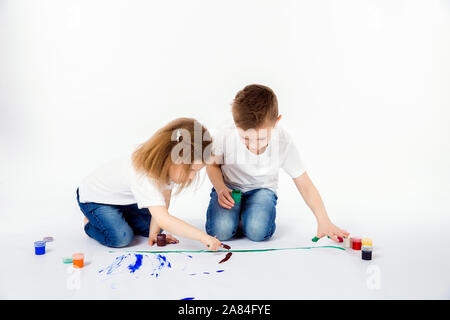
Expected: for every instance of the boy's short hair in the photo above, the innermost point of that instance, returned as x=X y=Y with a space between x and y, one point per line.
x=253 y=106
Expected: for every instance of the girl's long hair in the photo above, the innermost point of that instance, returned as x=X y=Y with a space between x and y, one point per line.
x=155 y=156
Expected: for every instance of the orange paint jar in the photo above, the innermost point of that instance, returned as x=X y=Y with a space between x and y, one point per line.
x=78 y=260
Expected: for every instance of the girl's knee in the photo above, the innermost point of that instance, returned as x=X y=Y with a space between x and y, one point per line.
x=120 y=238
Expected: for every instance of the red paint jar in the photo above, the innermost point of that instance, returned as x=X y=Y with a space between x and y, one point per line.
x=356 y=243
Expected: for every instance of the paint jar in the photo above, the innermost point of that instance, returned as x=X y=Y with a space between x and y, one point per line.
x=236 y=195
x=347 y=243
x=366 y=253
x=39 y=248
x=161 y=240
x=67 y=260
x=356 y=243
x=366 y=241
x=78 y=260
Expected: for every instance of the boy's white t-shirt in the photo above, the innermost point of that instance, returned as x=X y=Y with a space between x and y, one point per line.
x=118 y=183
x=244 y=170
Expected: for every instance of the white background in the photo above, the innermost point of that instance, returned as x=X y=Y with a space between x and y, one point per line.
x=363 y=86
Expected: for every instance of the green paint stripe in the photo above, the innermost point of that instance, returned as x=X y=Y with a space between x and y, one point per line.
x=237 y=250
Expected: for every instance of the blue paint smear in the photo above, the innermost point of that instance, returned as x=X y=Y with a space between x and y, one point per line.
x=188 y=298
x=220 y=270
x=133 y=262
x=116 y=264
x=137 y=265
x=206 y=272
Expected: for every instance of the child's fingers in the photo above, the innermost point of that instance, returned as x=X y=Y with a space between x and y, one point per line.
x=172 y=240
x=223 y=205
x=333 y=237
x=343 y=233
x=216 y=244
x=340 y=233
x=227 y=202
x=320 y=235
x=229 y=198
x=212 y=247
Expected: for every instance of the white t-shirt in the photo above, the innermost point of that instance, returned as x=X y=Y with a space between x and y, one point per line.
x=244 y=170
x=118 y=183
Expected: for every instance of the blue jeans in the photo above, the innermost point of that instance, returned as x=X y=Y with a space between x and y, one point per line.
x=114 y=225
x=256 y=211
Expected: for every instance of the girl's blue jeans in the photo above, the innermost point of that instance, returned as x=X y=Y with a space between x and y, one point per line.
x=114 y=225
x=256 y=212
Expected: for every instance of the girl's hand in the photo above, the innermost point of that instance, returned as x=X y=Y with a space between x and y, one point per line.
x=329 y=229
x=169 y=239
x=212 y=243
x=225 y=199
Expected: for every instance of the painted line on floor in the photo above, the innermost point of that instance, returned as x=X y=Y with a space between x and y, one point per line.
x=231 y=250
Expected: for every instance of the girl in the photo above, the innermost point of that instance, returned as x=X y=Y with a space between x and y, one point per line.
x=132 y=195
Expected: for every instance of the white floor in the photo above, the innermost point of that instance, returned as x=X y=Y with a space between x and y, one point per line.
x=410 y=261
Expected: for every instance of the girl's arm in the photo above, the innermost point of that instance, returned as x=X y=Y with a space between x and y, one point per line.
x=181 y=228
x=312 y=198
x=155 y=228
x=223 y=193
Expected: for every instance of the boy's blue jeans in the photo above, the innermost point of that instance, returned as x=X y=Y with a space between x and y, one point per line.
x=256 y=211
x=114 y=225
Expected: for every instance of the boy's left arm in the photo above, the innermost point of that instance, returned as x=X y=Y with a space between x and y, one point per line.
x=155 y=228
x=314 y=201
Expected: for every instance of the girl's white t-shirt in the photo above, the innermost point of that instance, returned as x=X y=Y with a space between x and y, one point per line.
x=244 y=170
x=118 y=183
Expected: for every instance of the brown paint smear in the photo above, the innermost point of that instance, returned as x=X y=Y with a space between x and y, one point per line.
x=228 y=256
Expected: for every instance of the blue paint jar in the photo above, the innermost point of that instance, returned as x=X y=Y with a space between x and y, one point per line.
x=39 y=248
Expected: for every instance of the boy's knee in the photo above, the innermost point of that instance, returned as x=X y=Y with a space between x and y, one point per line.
x=265 y=197
x=224 y=229
x=257 y=231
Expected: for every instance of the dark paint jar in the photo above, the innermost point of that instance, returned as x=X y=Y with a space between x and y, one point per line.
x=366 y=253
x=161 y=240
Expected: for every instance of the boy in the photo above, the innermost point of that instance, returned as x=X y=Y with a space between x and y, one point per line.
x=248 y=156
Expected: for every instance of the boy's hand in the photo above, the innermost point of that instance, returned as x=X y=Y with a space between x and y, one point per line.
x=212 y=243
x=225 y=199
x=169 y=239
x=327 y=228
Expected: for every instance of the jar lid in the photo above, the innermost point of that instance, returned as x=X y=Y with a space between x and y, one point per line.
x=39 y=243
x=78 y=256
